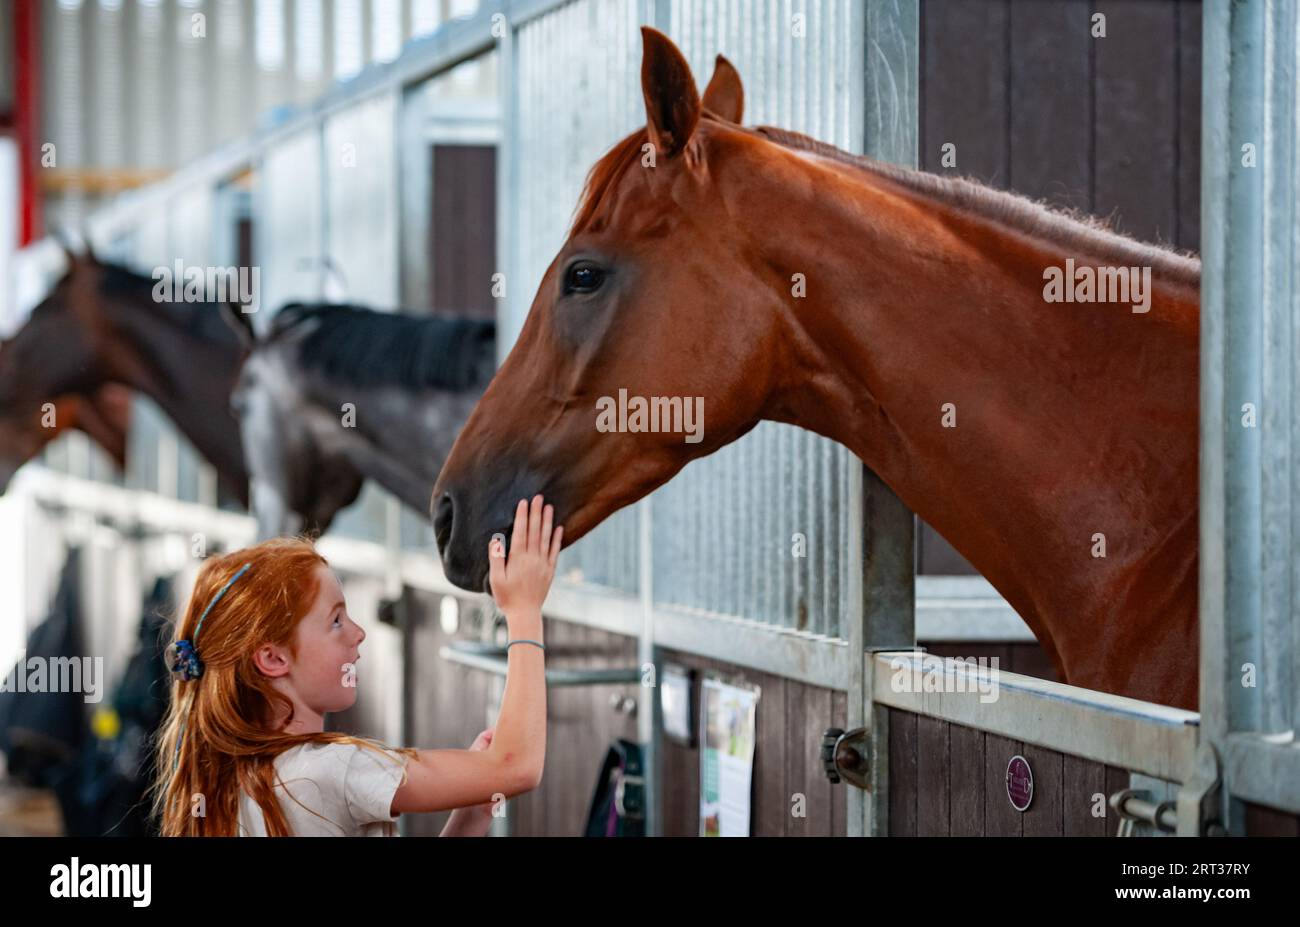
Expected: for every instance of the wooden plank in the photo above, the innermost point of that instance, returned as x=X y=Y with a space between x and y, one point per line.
x=462 y=237
x=1083 y=781
x=770 y=810
x=1136 y=115
x=808 y=712
x=1000 y=819
x=1045 y=816
x=1029 y=659
x=902 y=774
x=1188 y=15
x=966 y=773
x=1269 y=822
x=932 y=760
x=964 y=88
x=1051 y=134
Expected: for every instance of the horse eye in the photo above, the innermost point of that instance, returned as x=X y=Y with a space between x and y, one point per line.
x=583 y=278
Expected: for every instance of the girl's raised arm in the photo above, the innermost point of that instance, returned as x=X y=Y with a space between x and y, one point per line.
x=512 y=764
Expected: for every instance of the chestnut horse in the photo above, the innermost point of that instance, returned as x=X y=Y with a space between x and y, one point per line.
x=901 y=314
x=101 y=325
x=104 y=416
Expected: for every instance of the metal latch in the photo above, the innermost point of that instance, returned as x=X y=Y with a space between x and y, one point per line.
x=1134 y=807
x=845 y=756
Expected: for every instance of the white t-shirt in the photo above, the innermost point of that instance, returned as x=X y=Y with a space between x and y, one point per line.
x=347 y=790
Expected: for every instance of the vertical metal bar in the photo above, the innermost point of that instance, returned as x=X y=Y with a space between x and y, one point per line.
x=1276 y=412
x=883 y=540
x=1230 y=338
x=649 y=722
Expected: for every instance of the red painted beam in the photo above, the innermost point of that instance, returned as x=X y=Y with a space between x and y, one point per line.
x=27 y=80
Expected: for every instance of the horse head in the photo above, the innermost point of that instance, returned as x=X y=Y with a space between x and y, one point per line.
x=654 y=336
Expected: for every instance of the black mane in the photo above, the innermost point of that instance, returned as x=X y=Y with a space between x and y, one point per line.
x=202 y=319
x=361 y=347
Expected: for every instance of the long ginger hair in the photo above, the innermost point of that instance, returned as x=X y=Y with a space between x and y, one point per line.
x=223 y=719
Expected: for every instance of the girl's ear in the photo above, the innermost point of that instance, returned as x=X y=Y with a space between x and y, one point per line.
x=271 y=661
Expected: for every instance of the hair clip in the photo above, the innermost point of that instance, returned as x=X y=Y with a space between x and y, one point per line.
x=182 y=657
x=183 y=661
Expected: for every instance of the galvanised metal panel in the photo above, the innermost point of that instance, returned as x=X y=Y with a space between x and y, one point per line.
x=726 y=531
x=577 y=87
x=760 y=529
x=190 y=230
x=361 y=228
x=361 y=199
x=289 y=222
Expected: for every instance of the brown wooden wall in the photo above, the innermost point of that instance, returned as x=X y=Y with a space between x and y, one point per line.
x=1110 y=126
x=791 y=717
x=462 y=235
x=950 y=780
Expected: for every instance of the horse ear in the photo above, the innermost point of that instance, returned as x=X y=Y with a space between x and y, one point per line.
x=241 y=323
x=672 y=104
x=725 y=95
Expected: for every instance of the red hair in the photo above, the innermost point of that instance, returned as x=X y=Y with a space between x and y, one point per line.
x=226 y=715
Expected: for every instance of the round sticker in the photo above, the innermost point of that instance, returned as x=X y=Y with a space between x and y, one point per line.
x=1020 y=783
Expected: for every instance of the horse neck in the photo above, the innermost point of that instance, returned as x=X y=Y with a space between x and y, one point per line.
x=1071 y=420
x=402 y=436
x=187 y=372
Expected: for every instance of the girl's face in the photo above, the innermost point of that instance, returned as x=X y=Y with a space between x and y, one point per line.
x=326 y=647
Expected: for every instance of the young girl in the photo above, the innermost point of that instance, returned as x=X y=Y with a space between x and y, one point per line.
x=266 y=649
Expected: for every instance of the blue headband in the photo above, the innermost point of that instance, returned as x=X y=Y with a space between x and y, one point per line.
x=183 y=660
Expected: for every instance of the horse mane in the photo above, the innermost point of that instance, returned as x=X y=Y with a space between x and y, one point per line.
x=356 y=346
x=1070 y=228
x=202 y=319
x=604 y=177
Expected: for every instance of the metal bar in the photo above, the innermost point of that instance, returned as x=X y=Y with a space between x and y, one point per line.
x=885 y=529
x=649 y=722
x=1248 y=539
x=1263 y=770
x=493 y=660
x=1139 y=736
x=1157 y=814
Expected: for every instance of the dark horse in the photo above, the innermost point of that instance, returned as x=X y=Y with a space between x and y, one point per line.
x=104 y=416
x=101 y=326
x=334 y=394
x=1070 y=477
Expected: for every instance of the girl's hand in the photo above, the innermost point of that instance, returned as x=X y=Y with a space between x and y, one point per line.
x=519 y=584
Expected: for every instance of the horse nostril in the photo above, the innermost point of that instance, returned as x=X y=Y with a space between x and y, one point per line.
x=442 y=519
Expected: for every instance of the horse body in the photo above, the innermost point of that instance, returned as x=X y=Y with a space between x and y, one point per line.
x=903 y=315
x=338 y=394
x=102 y=326
x=1071 y=427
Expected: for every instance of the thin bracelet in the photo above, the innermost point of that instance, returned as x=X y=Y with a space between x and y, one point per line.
x=512 y=643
